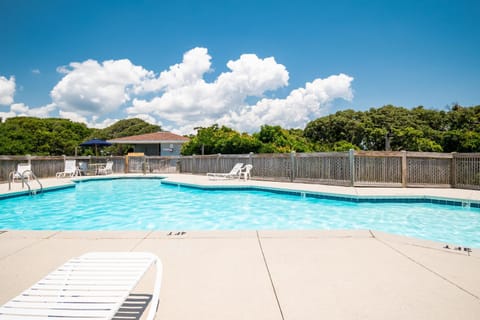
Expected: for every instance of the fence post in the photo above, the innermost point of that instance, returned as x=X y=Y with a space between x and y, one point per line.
x=250 y=160
x=29 y=159
x=351 y=158
x=404 y=168
x=292 y=165
x=144 y=165
x=453 y=170
x=194 y=162
x=216 y=163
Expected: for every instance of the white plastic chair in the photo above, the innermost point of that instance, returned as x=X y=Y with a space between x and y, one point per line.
x=70 y=170
x=82 y=168
x=234 y=173
x=22 y=169
x=245 y=172
x=108 y=169
x=92 y=286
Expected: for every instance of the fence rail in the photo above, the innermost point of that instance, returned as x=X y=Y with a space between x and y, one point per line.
x=353 y=168
x=45 y=167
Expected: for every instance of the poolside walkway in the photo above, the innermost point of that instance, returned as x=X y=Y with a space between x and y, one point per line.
x=359 y=274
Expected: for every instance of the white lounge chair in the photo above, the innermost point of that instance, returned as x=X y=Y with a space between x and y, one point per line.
x=245 y=172
x=107 y=169
x=70 y=170
x=24 y=169
x=91 y=287
x=234 y=173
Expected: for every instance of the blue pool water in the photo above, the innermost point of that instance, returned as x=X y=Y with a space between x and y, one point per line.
x=144 y=204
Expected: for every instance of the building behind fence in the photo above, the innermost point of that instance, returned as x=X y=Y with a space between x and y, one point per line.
x=353 y=168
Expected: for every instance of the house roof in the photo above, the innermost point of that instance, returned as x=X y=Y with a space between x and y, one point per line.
x=149 y=138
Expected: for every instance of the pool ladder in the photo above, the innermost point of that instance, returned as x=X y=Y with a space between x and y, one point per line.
x=24 y=176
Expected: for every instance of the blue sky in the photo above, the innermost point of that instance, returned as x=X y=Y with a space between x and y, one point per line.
x=243 y=63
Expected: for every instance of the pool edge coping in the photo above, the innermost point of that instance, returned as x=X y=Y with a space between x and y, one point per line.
x=457 y=202
x=351 y=197
x=22 y=193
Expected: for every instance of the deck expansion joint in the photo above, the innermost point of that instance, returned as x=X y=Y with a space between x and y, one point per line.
x=270 y=275
x=142 y=239
x=429 y=269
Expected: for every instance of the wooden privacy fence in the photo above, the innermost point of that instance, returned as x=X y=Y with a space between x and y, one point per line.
x=151 y=164
x=353 y=168
x=46 y=166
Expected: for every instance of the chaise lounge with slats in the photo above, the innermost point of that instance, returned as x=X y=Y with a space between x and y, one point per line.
x=70 y=170
x=234 y=173
x=93 y=286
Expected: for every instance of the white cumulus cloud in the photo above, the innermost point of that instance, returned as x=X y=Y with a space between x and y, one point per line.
x=21 y=109
x=299 y=107
x=179 y=98
x=195 y=64
x=186 y=99
x=91 y=122
x=7 y=90
x=73 y=116
x=99 y=124
x=92 y=88
x=6 y=115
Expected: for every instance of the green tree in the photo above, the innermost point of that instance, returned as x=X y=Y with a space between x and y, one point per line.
x=342 y=145
x=463 y=134
x=28 y=135
x=215 y=139
x=125 y=128
x=347 y=125
x=414 y=139
x=418 y=129
x=277 y=139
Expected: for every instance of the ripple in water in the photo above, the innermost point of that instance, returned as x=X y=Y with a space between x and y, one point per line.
x=146 y=204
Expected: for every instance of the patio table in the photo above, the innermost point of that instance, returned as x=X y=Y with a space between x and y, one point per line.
x=93 y=167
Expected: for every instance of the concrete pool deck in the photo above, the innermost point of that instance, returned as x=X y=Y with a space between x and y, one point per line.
x=344 y=274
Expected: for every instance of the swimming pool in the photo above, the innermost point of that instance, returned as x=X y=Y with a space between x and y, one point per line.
x=147 y=204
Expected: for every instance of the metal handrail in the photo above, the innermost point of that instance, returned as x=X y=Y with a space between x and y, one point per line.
x=10 y=179
x=34 y=178
x=23 y=175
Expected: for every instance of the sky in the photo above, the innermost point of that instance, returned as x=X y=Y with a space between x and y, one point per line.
x=186 y=64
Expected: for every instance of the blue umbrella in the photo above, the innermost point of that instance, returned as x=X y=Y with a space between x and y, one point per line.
x=96 y=143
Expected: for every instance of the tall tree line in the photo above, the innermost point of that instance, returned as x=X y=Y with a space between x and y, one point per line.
x=386 y=128
x=417 y=129
x=52 y=136
x=389 y=127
